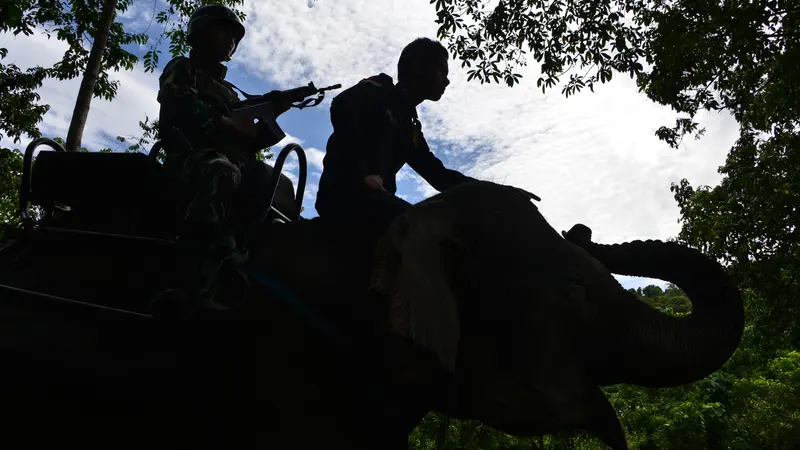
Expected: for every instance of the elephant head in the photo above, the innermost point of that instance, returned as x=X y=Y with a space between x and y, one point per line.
x=542 y=320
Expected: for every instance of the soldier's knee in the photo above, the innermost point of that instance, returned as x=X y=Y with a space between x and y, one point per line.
x=221 y=163
x=221 y=168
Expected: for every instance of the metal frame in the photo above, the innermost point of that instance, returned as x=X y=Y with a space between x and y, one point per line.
x=24 y=197
x=28 y=223
x=27 y=171
x=99 y=234
x=71 y=302
x=272 y=187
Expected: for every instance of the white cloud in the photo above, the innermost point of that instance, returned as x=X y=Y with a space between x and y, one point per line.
x=315 y=157
x=140 y=16
x=136 y=96
x=288 y=139
x=309 y=197
x=333 y=42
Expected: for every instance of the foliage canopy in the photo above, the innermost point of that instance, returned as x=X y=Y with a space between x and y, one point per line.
x=738 y=56
x=75 y=23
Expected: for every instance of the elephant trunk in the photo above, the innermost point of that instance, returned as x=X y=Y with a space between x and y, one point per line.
x=659 y=350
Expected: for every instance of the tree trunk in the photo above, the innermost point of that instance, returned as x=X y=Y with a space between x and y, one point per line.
x=86 y=92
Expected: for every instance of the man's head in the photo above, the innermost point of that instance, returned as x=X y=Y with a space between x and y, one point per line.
x=215 y=31
x=422 y=68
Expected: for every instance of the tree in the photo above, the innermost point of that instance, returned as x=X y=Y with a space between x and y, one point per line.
x=736 y=55
x=75 y=23
x=72 y=22
x=142 y=142
x=752 y=402
x=89 y=80
x=19 y=100
x=10 y=177
x=749 y=222
x=652 y=291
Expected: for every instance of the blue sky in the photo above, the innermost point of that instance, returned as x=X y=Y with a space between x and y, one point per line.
x=592 y=158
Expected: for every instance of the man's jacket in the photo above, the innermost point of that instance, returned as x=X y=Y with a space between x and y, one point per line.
x=376 y=132
x=193 y=95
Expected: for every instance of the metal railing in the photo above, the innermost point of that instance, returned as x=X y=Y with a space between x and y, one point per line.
x=272 y=186
x=27 y=171
x=29 y=223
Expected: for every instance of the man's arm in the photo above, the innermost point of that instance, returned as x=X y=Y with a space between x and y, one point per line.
x=431 y=168
x=180 y=99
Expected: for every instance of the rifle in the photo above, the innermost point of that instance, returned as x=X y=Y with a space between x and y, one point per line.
x=261 y=108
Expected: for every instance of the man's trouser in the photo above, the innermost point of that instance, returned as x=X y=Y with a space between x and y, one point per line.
x=358 y=218
x=368 y=214
x=363 y=211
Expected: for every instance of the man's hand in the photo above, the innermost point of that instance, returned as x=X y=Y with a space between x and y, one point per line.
x=374 y=182
x=579 y=234
x=528 y=194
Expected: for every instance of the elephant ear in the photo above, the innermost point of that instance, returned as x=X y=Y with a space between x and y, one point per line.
x=413 y=268
x=523 y=408
x=601 y=420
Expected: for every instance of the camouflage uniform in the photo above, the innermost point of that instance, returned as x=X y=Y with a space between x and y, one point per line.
x=193 y=95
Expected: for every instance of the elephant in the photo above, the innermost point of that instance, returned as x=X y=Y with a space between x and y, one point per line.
x=540 y=323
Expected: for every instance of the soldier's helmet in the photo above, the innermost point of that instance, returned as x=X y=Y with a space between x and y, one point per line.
x=208 y=15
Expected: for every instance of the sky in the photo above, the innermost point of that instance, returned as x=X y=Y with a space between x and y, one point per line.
x=593 y=158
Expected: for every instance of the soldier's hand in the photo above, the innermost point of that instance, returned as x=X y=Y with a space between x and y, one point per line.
x=281 y=102
x=374 y=182
x=244 y=127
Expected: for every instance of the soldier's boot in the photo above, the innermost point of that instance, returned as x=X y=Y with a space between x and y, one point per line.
x=223 y=284
x=208 y=263
x=209 y=277
x=180 y=301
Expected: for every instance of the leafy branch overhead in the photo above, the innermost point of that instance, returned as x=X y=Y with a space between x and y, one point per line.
x=75 y=23
x=174 y=19
x=557 y=34
x=19 y=101
x=736 y=56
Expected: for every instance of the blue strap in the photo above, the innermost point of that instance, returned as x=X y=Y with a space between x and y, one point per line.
x=301 y=307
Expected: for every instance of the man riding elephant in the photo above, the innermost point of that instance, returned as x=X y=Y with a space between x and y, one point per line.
x=376 y=131
x=209 y=151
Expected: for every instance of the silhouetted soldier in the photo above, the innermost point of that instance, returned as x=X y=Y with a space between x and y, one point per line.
x=210 y=151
